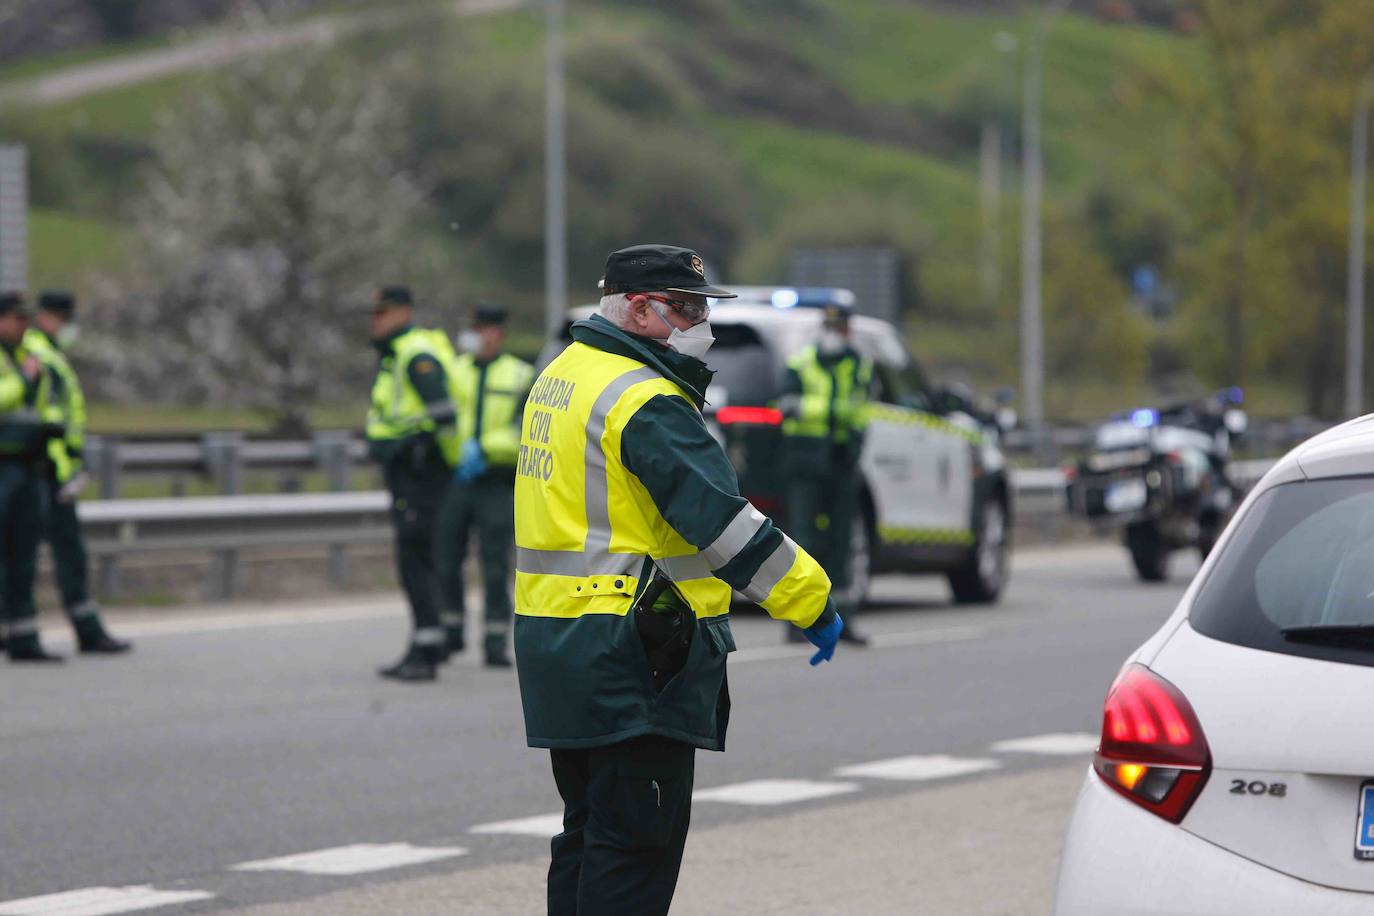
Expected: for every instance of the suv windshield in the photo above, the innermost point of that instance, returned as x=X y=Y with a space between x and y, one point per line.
x=1298 y=576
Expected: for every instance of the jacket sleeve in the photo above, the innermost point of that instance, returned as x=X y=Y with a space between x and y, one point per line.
x=427 y=374
x=667 y=446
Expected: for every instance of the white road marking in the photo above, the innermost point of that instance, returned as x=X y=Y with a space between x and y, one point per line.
x=1063 y=744
x=355 y=859
x=773 y=791
x=540 y=825
x=98 y=901
x=919 y=768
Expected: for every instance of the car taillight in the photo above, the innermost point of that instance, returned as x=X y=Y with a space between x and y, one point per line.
x=763 y=416
x=1153 y=751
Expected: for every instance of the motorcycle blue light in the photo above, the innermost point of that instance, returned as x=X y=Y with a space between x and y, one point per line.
x=1144 y=418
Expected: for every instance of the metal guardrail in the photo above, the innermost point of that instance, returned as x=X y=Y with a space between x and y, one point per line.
x=226 y=525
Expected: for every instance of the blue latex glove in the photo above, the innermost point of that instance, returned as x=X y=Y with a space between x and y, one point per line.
x=471 y=463
x=824 y=639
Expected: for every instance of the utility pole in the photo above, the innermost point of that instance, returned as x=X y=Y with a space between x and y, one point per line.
x=1033 y=183
x=990 y=184
x=1354 y=280
x=555 y=165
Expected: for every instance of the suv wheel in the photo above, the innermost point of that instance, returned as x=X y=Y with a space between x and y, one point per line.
x=983 y=576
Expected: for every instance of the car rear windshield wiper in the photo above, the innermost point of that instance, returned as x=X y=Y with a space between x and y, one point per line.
x=1353 y=635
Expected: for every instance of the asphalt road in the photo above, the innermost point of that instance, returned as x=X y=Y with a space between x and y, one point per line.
x=238 y=736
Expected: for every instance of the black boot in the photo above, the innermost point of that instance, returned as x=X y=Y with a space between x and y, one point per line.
x=27 y=648
x=496 y=652
x=415 y=665
x=92 y=639
x=454 y=637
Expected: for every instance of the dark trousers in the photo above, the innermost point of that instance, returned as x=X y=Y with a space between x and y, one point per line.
x=415 y=500
x=488 y=505
x=62 y=531
x=626 y=810
x=820 y=515
x=21 y=520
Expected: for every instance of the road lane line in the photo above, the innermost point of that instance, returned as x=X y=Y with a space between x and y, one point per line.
x=1062 y=744
x=919 y=768
x=540 y=825
x=99 y=901
x=773 y=791
x=356 y=859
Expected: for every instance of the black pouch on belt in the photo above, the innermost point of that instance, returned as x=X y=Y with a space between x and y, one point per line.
x=665 y=625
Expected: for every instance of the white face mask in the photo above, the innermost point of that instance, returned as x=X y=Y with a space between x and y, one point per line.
x=832 y=342
x=469 y=341
x=693 y=342
x=67 y=335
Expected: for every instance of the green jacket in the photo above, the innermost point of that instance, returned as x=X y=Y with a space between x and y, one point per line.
x=570 y=703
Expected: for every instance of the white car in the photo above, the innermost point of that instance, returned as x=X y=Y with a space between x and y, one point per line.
x=1235 y=773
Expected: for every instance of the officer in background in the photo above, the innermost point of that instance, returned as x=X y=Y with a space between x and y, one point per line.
x=631 y=537
x=412 y=434
x=490 y=387
x=65 y=474
x=824 y=400
x=25 y=387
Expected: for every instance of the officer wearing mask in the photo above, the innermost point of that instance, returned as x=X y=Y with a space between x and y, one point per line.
x=25 y=388
x=64 y=474
x=825 y=394
x=412 y=434
x=630 y=538
x=490 y=387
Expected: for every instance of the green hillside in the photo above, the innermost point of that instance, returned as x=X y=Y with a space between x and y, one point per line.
x=826 y=121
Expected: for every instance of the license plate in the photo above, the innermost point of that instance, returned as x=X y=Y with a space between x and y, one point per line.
x=1364 y=839
x=1126 y=496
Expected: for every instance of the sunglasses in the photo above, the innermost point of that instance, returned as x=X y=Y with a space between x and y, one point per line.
x=695 y=312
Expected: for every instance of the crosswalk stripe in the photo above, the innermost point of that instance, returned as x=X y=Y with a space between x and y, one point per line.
x=355 y=859
x=540 y=825
x=1065 y=744
x=99 y=901
x=773 y=791
x=918 y=768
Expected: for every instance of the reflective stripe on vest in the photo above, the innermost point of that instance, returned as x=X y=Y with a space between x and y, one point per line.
x=585 y=527
x=832 y=397
x=502 y=392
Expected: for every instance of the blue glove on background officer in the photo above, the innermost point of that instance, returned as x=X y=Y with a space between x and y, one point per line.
x=824 y=639
x=471 y=463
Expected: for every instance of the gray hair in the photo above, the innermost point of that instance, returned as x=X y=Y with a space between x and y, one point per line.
x=615 y=308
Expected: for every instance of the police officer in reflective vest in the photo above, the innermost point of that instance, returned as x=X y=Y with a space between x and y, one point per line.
x=824 y=401
x=630 y=537
x=25 y=389
x=65 y=474
x=490 y=387
x=412 y=433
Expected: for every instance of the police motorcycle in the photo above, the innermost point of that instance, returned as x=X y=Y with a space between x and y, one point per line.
x=1159 y=477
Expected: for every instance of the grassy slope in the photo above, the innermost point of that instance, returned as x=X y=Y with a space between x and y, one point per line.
x=880 y=51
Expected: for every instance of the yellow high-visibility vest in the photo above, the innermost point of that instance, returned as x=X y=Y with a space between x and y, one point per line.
x=501 y=393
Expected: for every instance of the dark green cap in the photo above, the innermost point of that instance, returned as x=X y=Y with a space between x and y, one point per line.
x=654 y=268
x=393 y=295
x=487 y=314
x=12 y=301
x=58 y=301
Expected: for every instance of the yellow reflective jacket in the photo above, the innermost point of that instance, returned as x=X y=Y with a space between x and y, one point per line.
x=490 y=397
x=397 y=409
x=66 y=405
x=617 y=475
x=826 y=398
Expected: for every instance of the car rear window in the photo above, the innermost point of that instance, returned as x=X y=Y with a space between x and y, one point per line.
x=1303 y=556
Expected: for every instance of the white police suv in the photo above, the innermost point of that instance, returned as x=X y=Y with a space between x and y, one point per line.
x=934 y=495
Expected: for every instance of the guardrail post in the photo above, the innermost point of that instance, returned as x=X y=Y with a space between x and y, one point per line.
x=223 y=461
x=332 y=455
x=102 y=458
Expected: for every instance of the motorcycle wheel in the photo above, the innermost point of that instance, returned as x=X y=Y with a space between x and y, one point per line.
x=1148 y=552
